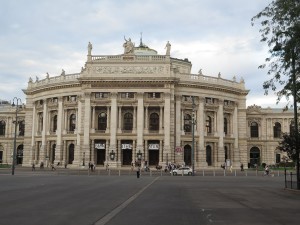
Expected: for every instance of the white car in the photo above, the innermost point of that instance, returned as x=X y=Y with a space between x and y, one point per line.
x=182 y=171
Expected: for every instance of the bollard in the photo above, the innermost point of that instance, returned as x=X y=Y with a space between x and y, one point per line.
x=224 y=173
x=235 y=173
x=203 y=173
x=246 y=173
x=214 y=173
x=119 y=172
x=108 y=172
x=150 y=173
x=161 y=173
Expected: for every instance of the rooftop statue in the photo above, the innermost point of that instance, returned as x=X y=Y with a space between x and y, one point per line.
x=168 y=47
x=128 y=46
x=90 y=47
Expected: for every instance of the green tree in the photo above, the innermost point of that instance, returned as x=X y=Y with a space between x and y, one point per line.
x=288 y=145
x=280 y=29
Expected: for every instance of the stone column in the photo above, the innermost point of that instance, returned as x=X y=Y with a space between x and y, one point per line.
x=60 y=121
x=220 y=125
x=86 y=130
x=108 y=120
x=119 y=154
x=113 y=127
x=93 y=151
x=201 y=129
x=178 y=120
x=140 y=122
x=167 y=122
x=161 y=120
x=146 y=119
x=236 y=152
x=93 y=118
x=45 y=127
x=120 y=119
x=134 y=119
x=146 y=152
x=133 y=151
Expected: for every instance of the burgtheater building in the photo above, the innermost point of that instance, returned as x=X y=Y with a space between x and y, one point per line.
x=140 y=106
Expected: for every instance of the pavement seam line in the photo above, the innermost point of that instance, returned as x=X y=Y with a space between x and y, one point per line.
x=118 y=209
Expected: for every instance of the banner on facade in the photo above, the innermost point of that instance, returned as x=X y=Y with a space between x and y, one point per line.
x=153 y=146
x=126 y=146
x=99 y=145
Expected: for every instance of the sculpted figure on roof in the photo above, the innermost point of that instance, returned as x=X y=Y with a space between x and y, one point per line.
x=128 y=46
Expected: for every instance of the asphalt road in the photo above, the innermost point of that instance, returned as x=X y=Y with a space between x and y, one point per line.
x=46 y=199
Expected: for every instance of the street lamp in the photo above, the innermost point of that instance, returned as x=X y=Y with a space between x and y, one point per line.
x=193 y=135
x=15 y=138
x=112 y=155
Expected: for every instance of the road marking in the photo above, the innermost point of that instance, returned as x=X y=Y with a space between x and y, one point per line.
x=114 y=212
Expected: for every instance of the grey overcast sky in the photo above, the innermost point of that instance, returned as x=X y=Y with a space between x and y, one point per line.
x=40 y=36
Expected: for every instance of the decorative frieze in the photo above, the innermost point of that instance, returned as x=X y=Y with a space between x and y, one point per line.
x=129 y=69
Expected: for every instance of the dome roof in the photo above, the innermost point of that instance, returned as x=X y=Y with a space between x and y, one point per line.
x=143 y=49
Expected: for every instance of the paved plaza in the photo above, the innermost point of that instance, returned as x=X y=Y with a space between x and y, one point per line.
x=59 y=198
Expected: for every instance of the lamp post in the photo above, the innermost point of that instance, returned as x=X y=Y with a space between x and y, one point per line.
x=15 y=138
x=193 y=135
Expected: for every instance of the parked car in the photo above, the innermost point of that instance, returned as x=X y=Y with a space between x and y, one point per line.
x=182 y=171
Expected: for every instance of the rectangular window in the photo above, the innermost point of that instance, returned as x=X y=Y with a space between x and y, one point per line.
x=153 y=95
x=127 y=95
x=101 y=95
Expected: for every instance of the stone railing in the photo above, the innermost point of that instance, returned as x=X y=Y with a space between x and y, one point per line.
x=54 y=80
x=132 y=58
x=211 y=80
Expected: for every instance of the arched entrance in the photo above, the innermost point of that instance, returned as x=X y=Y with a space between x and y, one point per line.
x=188 y=155
x=126 y=152
x=20 y=154
x=254 y=156
x=208 y=155
x=71 y=154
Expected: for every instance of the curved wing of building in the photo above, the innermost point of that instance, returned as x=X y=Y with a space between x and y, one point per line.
x=142 y=108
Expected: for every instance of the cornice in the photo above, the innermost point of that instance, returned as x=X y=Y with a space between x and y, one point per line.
x=215 y=88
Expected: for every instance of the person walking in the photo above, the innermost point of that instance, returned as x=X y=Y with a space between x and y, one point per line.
x=138 y=172
x=33 y=167
x=242 y=167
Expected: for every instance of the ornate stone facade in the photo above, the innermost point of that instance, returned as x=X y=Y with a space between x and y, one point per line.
x=140 y=106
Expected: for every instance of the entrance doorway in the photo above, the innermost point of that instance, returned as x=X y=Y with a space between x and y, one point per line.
x=254 y=157
x=100 y=156
x=20 y=154
x=208 y=155
x=188 y=155
x=71 y=153
x=127 y=156
x=153 y=157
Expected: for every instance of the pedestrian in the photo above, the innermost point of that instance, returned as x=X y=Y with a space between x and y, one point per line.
x=42 y=165
x=107 y=166
x=230 y=168
x=267 y=170
x=242 y=167
x=52 y=166
x=33 y=167
x=138 y=172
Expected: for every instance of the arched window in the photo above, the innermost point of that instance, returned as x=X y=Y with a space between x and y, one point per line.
x=225 y=126
x=208 y=125
x=21 y=128
x=40 y=123
x=277 y=130
x=54 y=123
x=2 y=127
x=154 y=121
x=128 y=121
x=102 y=121
x=187 y=123
x=72 y=122
x=254 y=129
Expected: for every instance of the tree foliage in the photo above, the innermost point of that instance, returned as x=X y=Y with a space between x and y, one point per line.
x=280 y=29
x=288 y=145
